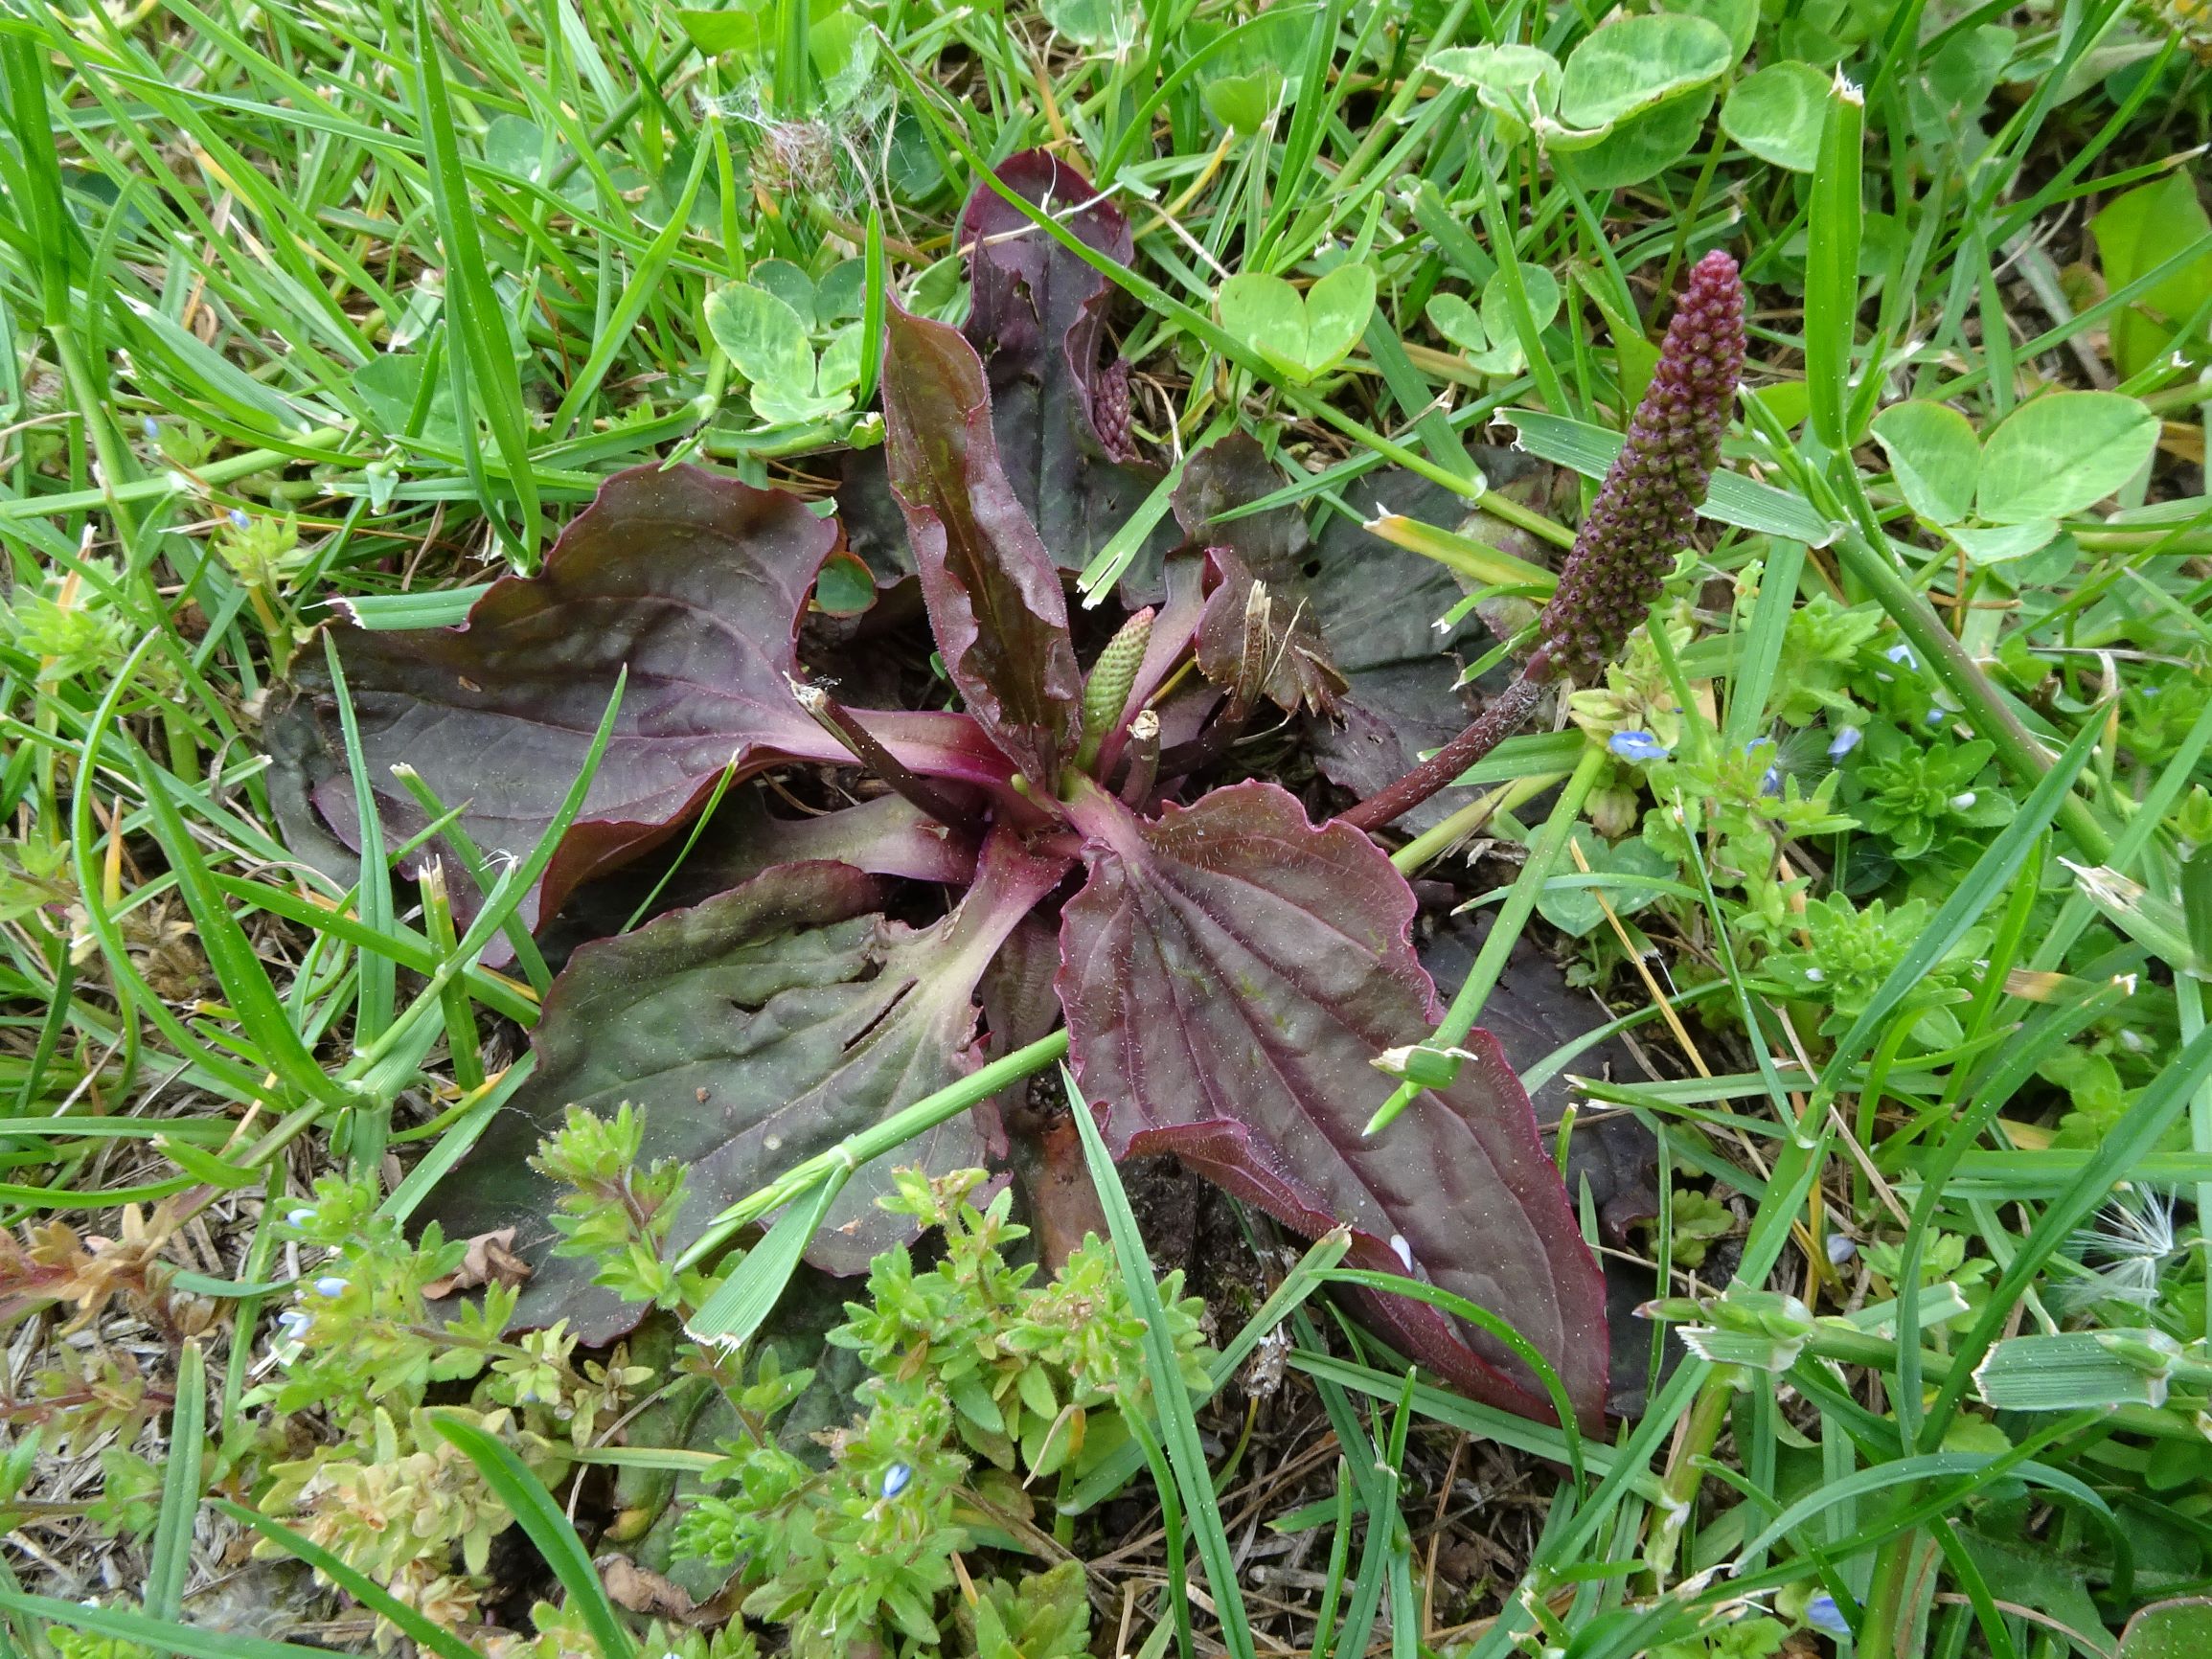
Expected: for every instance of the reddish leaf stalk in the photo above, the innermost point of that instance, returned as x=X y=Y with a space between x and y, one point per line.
x=838 y=721
x=1641 y=520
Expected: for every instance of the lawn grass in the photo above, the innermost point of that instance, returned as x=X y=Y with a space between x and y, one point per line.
x=337 y=311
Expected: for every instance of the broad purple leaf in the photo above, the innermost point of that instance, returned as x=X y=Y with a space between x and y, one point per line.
x=1613 y=1160
x=1268 y=547
x=1037 y=319
x=753 y=1030
x=993 y=594
x=885 y=836
x=693 y=582
x=1229 y=971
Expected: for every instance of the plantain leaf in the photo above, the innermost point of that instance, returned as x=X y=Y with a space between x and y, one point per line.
x=1229 y=973
x=1037 y=319
x=697 y=582
x=1060 y=409
x=993 y=594
x=753 y=1032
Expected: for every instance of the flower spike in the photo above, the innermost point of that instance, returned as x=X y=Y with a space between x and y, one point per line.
x=1640 y=520
x=1650 y=499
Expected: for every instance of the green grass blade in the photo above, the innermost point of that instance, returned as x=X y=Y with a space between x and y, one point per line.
x=169 y=1558
x=431 y=1637
x=482 y=360
x=1831 y=267
x=2146 y=1121
x=1754 y=678
x=1300 y=1283
x=1178 y=1426
x=1397 y=1284
x=373 y=1007
x=230 y=953
x=1992 y=871
x=162 y=1635
x=524 y=1494
x=643 y=287
x=744 y=1299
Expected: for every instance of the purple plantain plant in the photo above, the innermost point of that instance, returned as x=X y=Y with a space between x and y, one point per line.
x=1227 y=969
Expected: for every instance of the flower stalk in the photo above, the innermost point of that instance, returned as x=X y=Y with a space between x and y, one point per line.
x=1642 y=518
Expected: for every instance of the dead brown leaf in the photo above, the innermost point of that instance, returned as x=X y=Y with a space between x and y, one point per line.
x=490 y=1260
x=642 y=1590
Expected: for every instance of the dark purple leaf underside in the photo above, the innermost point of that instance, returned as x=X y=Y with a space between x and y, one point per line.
x=695 y=583
x=753 y=1030
x=1228 y=973
x=993 y=593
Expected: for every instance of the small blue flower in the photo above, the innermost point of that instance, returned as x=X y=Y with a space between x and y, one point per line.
x=1825 y=1616
x=151 y=427
x=1935 y=716
x=895 y=1479
x=294 y=1323
x=1770 y=782
x=1901 y=656
x=1846 y=739
x=239 y=520
x=303 y=1216
x=330 y=1285
x=1639 y=746
x=1840 y=1249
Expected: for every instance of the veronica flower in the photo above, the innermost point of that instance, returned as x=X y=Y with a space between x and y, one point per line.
x=895 y=1479
x=1640 y=746
x=1846 y=740
x=1823 y=1614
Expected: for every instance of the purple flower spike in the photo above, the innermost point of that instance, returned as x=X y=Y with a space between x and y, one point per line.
x=1650 y=499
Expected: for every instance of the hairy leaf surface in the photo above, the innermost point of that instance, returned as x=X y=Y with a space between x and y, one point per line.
x=696 y=583
x=753 y=1030
x=1228 y=973
x=993 y=594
